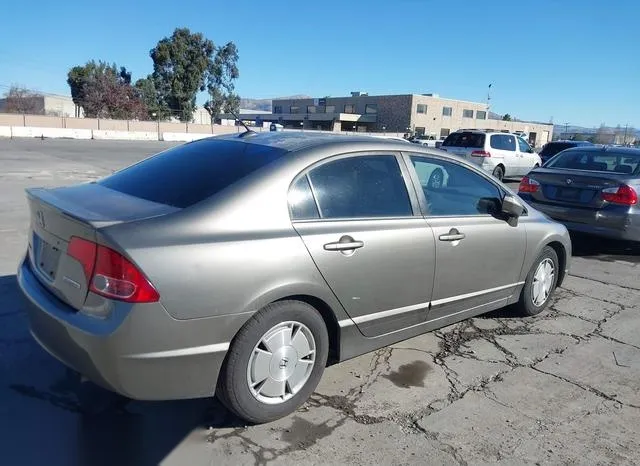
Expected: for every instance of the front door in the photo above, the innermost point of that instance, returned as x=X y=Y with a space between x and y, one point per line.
x=373 y=251
x=527 y=156
x=479 y=257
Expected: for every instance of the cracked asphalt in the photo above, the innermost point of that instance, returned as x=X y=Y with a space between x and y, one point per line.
x=559 y=388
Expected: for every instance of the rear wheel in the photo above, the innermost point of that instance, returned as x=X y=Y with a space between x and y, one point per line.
x=275 y=362
x=498 y=172
x=540 y=283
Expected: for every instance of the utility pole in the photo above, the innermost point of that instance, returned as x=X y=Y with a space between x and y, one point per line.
x=566 y=129
x=626 y=128
x=489 y=99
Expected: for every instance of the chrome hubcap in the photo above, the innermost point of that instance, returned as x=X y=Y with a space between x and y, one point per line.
x=542 y=282
x=281 y=362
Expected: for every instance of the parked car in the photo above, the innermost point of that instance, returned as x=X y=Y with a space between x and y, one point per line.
x=589 y=189
x=504 y=155
x=424 y=140
x=552 y=148
x=240 y=265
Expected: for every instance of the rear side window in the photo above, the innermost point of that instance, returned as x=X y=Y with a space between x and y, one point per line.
x=187 y=174
x=475 y=140
x=503 y=142
x=361 y=187
x=601 y=161
x=301 y=202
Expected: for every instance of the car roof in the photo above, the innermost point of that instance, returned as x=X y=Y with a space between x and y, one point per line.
x=292 y=141
x=577 y=143
x=613 y=150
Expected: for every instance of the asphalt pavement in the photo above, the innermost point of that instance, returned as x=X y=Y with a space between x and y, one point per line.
x=559 y=388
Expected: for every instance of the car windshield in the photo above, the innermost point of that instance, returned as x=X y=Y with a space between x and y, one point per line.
x=475 y=140
x=602 y=161
x=553 y=148
x=190 y=173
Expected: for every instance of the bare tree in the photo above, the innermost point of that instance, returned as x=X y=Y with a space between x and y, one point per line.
x=19 y=99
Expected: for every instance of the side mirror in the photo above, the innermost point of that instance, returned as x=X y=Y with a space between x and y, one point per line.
x=512 y=208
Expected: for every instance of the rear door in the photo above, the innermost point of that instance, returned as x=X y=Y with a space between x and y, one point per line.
x=478 y=256
x=365 y=233
x=503 y=150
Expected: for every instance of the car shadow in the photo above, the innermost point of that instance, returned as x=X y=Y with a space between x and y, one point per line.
x=604 y=249
x=51 y=417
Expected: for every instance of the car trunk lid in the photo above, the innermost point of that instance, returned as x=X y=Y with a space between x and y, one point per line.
x=59 y=214
x=577 y=188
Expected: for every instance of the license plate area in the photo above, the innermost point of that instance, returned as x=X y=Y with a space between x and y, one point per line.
x=45 y=257
x=569 y=194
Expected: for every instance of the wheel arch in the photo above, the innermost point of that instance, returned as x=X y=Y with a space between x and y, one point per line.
x=561 y=252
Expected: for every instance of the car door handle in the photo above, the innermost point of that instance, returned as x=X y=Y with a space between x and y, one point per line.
x=345 y=244
x=453 y=235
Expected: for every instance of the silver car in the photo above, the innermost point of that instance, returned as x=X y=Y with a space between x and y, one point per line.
x=590 y=189
x=240 y=266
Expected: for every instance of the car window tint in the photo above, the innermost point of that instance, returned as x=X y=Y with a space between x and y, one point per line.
x=603 y=161
x=302 y=205
x=475 y=140
x=503 y=142
x=190 y=173
x=454 y=190
x=361 y=186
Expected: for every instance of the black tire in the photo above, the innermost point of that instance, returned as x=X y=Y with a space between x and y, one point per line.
x=233 y=387
x=526 y=306
x=436 y=179
x=498 y=172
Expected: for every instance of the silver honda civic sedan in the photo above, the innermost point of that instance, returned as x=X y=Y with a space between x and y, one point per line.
x=240 y=266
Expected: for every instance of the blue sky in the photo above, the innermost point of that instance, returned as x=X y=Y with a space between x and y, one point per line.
x=575 y=61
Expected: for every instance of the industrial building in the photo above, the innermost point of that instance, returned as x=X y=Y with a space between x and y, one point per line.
x=421 y=114
x=50 y=104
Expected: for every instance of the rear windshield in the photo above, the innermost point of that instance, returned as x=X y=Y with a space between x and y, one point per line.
x=615 y=162
x=553 y=148
x=190 y=173
x=475 y=140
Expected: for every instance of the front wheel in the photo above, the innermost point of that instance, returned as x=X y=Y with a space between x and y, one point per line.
x=275 y=362
x=498 y=172
x=540 y=283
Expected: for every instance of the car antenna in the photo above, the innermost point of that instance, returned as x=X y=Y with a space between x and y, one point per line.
x=248 y=131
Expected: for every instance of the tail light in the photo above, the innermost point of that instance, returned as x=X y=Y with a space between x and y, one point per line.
x=528 y=185
x=480 y=153
x=110 y=274
x=623 y=194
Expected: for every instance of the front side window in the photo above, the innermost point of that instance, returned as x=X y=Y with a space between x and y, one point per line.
x=361 y=187
x=481 y=115
x=371 y=108
x=503 y=142
x=523 y=146
x=447 y=111
x=467 y=114
x=422 y=108
x=453 y=190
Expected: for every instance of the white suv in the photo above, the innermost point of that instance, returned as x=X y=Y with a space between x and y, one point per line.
x=501 y=154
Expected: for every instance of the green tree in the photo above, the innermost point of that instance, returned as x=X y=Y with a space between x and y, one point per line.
x=506 y=117
x=148 y=93
x=220 y=81
x=180 y=67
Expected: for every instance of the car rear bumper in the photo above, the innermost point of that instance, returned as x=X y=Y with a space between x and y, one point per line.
x=149 y=356
x=611 y=224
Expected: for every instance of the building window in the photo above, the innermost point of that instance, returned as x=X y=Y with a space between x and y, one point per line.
x=349 y=108
x=277 y=109
x=294 y=109
x=422 y=108
x=481 y=115
x=371 y=108
x=420 y=130
x=331 y=108
x=444 y=132
x=447 y=111
x=311 y=109
x=467 y=114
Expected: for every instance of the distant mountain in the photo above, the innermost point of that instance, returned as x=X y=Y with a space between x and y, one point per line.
x=265 y=104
